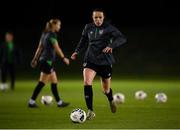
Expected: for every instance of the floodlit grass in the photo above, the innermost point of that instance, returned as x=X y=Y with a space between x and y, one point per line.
x=14 y=112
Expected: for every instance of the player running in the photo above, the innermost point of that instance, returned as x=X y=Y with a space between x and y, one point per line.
x=45 y=55
x=102 y=39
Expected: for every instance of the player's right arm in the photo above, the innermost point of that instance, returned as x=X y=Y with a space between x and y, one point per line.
x=83 y=40
x=60 y=53
x=37 y=55
x=58 y=50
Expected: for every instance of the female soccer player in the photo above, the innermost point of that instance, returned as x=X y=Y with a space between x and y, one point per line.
x=45 y=54
x=102 y=39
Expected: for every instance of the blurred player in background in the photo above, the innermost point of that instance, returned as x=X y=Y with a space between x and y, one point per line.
x=9 y=57
x=102 y=39
x=45 y=55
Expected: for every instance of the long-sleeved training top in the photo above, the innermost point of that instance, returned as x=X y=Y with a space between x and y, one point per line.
x=98 y=38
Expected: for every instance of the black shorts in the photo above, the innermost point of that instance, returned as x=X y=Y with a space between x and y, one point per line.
x=45 y=67
x=104 y=71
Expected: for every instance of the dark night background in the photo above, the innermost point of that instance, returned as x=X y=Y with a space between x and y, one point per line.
x=151 y=27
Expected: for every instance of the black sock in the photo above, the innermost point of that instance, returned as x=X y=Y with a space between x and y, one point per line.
x=55 y=91
x=109 y=95
x=37 y=90
x=88 y=94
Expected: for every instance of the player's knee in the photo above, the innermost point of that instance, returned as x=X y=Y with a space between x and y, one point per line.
x=53 y=81
x=88 y=82
x=106 y=89
x=43 y=81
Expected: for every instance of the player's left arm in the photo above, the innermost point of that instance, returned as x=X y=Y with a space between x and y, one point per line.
x=116 y=39
x=59 y=51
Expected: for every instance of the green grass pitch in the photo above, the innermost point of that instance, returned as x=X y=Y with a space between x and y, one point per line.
x=14 y=112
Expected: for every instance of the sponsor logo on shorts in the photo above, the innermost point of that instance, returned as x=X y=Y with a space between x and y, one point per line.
x=84 y=65
x=52 y=70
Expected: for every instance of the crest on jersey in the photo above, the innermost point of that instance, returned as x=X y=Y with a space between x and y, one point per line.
x=91 y=32
x=101 y=32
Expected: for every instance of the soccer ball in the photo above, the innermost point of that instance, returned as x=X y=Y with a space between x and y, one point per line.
x=161 y=97
x=46 y=100
x=3 y=87
x=119 y=98
x=140 y=95
x=78 y=116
